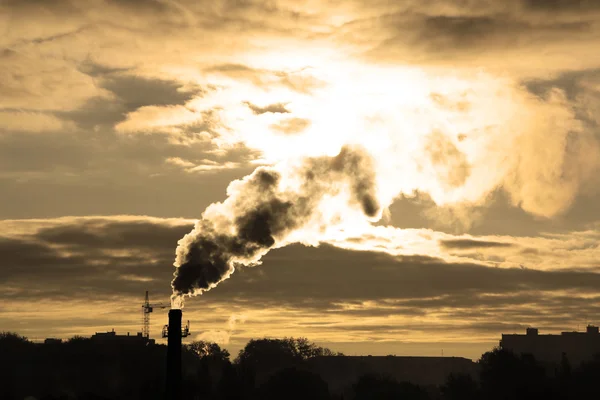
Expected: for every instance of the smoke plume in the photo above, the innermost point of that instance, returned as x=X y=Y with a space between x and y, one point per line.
x=261 y=212
x=455 y=139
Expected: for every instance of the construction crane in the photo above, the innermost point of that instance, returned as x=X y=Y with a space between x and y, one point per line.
x=147 y=308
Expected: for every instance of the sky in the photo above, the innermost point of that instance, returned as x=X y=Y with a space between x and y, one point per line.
x=404 y=177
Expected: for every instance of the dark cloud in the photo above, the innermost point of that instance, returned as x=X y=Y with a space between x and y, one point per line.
x=474 y=34
x=121 y=259
x=571 y=82
x=463 y=30
x=61 y=7
x=271 y=108
x=58 y=36
x=100 y=233
x=99 y=70
x=470 y=31
x=581 y=91
x=497 y=217
x=562 y=5
x=33 y=269
x=468 y=244
x=130 y=92
x=288 y=275
x=26 y=256
x=136 y=5
x=392 y=330
x=374 y=276
x=135 y=91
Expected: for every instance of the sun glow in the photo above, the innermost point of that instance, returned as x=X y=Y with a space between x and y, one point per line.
x=447 y=133
x=344 y=140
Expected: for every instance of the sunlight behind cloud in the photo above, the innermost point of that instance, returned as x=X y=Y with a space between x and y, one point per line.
x=453 y=135
x=368 y=135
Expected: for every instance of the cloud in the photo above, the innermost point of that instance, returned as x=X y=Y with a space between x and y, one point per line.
x=101 y=172
x=156 y=90
x=209 y=165
x=300 y=81
x=474 y=32
x=450 y=163
x=500 y=36
x=133 y=243
x=68 y=257
x=90 y=78
x=127 y=93
x=315 y=292
x=291 y=126
x=180 y=162
x=52 y=84
x=138 y=91
x=202 y=166
x=115 y=233
x=16 y=121
x=548 y=252
x=155 y=118
x=271 y=108
x=467 y=244
x=578 y=6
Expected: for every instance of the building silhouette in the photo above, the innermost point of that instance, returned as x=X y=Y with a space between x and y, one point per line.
x=576 y=346
x=112 y=337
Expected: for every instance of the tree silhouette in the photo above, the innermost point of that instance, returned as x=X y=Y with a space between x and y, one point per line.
x=8 y=339
x=263 y=357
x=507 y=376
x=81 y=369
x=460 y=387
x=378 y=387
x=208 y=350
x=232 y=385
x=280 y=351
x=15 y=351
x=306 y=349
x=585 y=379
x=294 y=384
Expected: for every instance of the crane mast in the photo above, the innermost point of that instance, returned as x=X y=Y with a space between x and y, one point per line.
x=147 y=308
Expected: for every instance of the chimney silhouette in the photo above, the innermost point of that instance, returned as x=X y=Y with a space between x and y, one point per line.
x=173 y=384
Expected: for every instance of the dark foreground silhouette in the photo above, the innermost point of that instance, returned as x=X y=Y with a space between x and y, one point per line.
x=268 y=369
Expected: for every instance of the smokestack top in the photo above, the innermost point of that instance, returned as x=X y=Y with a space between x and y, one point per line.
x=175 y=312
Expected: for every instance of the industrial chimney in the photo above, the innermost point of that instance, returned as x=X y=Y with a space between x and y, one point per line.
x=173 y=384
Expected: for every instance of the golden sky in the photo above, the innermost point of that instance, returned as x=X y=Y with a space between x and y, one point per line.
x=470 y=129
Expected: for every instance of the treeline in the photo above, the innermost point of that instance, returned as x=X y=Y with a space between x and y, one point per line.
x=266 y=369
x=83 y=368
